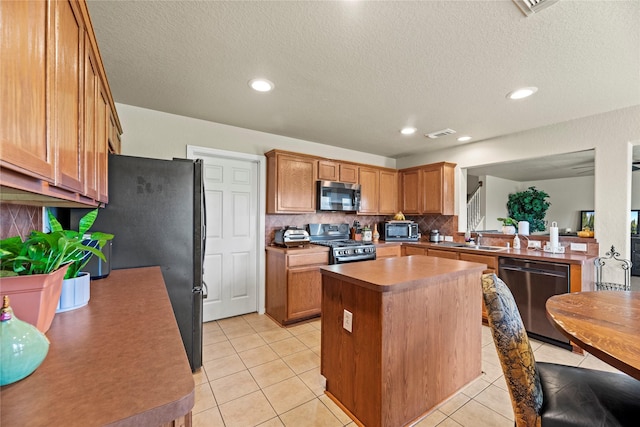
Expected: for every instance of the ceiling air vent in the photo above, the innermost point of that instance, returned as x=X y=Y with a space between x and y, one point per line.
x=440 y=133
x=529 y=7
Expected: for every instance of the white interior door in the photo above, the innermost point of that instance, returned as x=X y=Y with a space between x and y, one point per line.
x=230 y=261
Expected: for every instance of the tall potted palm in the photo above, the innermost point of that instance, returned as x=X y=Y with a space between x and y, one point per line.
x=31 y=271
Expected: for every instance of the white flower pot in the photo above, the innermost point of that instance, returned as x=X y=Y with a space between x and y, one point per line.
x=75 y=293
x=508 y=229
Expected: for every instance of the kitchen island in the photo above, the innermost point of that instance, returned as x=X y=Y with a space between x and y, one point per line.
x=117 y=361
x=415 y=336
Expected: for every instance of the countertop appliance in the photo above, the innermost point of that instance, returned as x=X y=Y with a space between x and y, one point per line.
x=338 y=196
x=434 y=236
x=532 y=283
x=156 y=211
x=341 y=249
x=399 y=231
x=291 y=236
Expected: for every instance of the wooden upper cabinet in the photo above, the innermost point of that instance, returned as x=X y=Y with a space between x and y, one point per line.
x=438 y=188
x=328 y=170
x=291 y=182
x=349 y=173
x=102 y=143
x=24 y=145
x=91 y=85
x=387 y=204
x=369 y=190
x=66 y=96
x=378 y=191
x=335 y=171
x=57 y=117
x=410 y=196
x=428 y=189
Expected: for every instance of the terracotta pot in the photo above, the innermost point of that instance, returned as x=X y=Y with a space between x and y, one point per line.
x=34 y=298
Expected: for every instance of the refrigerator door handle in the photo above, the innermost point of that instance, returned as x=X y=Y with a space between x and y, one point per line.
x=204 y=290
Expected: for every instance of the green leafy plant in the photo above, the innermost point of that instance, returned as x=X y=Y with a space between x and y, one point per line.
x=529 y=205
x=508 y=221
x=42 y=253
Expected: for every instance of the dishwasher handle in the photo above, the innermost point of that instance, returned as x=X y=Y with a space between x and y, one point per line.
x=534 y=270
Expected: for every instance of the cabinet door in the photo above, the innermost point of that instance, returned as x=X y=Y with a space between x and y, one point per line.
x=387 y=251
x=66 y=92
x=102 y=144
x=24 y=145
x=295 y=184
x=304 y=293
x=410 y=196
x=387 y=204
x=328 y=170
x=369 y=190
x=91 y=84
x=412 y=250
x=348 y=173
x=442 y=254
x=438 y=189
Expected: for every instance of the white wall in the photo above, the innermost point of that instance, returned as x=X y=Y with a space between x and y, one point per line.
x=611 y=135
x=496 y=196
x=568 y=197
x=149 y=133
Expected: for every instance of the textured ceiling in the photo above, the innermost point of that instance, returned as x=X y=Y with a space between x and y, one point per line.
x=352 y=73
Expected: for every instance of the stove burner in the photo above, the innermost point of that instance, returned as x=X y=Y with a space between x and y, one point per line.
x=343 y=251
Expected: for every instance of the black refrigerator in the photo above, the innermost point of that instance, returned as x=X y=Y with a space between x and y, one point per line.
x=156 y=211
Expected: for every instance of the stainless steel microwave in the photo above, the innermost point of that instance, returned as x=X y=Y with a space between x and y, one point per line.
x=399 y=231
x=338 y=196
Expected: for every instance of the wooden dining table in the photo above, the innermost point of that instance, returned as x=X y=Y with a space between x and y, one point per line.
x=603 y=323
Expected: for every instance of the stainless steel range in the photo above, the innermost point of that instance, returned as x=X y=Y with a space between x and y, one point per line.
x=342 y=249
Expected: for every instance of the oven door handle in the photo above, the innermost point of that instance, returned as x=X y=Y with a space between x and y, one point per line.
x=351 y=258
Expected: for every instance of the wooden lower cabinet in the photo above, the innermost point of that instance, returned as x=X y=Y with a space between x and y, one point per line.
x=392 y=251
x=294 y=283
x=442 y=254
x=492 y=267
x=413 y=250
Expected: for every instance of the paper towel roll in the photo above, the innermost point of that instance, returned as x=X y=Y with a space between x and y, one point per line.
x=523 y=228
x=553 y=236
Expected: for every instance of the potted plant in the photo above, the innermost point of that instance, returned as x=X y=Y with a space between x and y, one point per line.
x=529 y=205
x=76 y=289
x=508 y=225
x=31 y=271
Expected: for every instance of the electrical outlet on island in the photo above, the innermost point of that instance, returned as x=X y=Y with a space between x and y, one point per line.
x=347 y=320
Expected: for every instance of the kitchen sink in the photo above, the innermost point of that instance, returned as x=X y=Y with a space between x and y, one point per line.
x=476 y=247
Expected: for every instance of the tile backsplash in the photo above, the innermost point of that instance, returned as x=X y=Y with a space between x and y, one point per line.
x=444 y=223
x=19 y=220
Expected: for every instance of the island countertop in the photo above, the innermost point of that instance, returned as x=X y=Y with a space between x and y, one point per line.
x=394 y=274
x=117 y=361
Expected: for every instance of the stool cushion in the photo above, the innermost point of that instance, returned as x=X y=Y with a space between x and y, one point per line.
x=582 y=397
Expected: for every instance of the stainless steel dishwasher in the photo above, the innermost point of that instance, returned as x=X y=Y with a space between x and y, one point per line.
x=532 y=283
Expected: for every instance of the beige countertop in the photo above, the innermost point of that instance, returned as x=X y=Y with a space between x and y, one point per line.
x=117 y=361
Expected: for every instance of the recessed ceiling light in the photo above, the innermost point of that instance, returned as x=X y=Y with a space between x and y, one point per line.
x=408 y=131
x=464 y=138
x=261 y=85
x=522 y=92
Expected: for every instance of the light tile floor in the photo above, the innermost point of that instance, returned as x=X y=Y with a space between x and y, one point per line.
x=256 y=373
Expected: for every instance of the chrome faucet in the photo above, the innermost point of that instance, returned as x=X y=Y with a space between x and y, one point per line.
x=478 y=238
